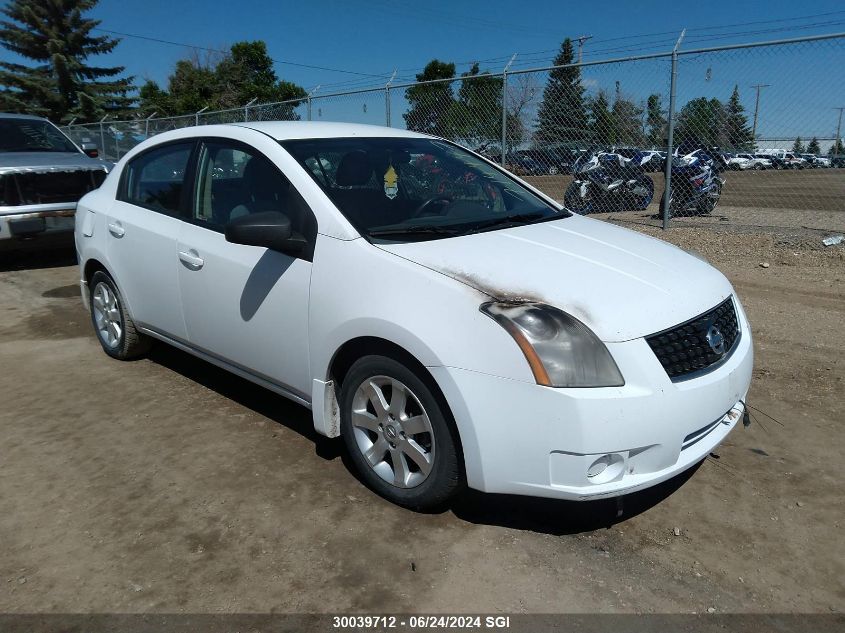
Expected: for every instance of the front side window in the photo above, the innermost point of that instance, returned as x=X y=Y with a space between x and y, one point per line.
x=234 y=180
x=156 y=178
x=32 y=135
x=400 y=189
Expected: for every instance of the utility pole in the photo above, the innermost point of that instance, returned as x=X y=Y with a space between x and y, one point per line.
x=836 y=143
x=581 y=39
x=756 y=109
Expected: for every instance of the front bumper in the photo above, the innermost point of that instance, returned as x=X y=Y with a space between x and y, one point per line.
x=34 y=221
x=521 y=438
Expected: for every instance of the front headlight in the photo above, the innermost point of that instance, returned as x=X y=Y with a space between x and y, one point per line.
x=561 y=351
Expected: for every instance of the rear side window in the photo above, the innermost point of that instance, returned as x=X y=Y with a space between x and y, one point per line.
x=156 y=179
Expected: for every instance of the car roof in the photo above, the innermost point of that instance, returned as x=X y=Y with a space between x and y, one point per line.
x=12 y=115
x=289 y=130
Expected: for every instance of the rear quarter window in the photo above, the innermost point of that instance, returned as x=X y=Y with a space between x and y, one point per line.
x=156 y=179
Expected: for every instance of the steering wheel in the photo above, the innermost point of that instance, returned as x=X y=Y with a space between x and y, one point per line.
x=418 y=212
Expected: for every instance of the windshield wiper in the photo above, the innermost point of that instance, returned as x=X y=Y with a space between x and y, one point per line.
x=516 y=218
x=425 y=229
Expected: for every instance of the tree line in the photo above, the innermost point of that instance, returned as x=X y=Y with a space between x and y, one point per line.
x=63 y=84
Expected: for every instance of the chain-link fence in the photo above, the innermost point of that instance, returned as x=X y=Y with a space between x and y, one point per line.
x=750 y=134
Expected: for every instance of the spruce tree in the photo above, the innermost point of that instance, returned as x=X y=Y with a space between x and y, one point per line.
x=602 y=128
x=736 y=133
x=656 y=122
x=60 y=84
x=813 y=147
x=562 y=116
x=798 y=146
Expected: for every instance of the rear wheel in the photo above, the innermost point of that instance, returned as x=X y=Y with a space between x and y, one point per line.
x=114 y=327
x=398 y=435
x=708 y=203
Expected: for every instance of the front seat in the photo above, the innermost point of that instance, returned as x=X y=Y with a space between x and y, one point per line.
x=363 y=202
x=262 y=189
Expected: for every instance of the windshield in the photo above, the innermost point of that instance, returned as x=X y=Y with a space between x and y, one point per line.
x=403 y=189
x=32 y=135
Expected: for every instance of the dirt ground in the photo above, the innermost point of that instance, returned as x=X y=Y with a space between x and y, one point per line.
x=168 y=485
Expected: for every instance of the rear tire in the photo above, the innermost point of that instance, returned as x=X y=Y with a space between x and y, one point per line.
x=113 y=326
x=398 y=434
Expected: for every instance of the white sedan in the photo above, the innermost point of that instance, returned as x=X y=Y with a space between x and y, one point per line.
x=453 y=324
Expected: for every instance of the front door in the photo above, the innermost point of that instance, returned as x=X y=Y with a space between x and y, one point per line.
x=246 y=305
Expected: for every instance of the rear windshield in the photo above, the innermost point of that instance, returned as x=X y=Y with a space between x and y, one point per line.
x=402 y=189
x=32 y=135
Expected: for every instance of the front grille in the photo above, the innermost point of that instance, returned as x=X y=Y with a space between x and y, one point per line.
x=686 y=348
x=49 y=187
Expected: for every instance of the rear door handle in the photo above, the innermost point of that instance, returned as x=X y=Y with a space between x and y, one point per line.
x=191 y=259
x=116 y=229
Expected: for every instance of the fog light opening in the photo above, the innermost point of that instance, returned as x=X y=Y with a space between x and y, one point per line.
x=605 y=468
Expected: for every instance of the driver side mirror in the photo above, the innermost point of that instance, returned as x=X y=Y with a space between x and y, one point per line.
x=270 y=229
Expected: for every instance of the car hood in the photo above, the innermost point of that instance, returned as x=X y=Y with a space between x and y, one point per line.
x=620 y=283
x=23 y=162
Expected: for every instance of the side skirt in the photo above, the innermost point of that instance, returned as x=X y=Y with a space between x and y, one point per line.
x=261 y=381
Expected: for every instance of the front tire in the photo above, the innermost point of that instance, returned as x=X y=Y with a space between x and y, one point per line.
x=575 y=202
x=115 y=329
x=398 y=435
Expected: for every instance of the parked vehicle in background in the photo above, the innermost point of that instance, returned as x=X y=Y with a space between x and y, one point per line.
x=734 y=161
x=451 y=323
x=778 y=162
x=42 y=176
x=696 y=185
x=608 y=181
x=524 y=165
x=814 y=161
x=553 y=160
x=837 y=161
x=754 y=162
x=795 y=162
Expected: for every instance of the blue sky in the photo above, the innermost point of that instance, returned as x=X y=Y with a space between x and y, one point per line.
x=370 y=38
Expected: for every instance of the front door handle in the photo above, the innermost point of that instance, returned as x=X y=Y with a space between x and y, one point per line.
x=191 y=259
x=116 y=229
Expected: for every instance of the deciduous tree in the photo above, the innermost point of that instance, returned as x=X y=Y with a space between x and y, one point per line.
x=432 y=105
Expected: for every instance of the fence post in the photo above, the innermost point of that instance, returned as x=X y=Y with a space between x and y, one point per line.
x=147 y=124
x=103 y=135
x=246 y=108
x=197 y=115
x=387 y=98
x=308 y=101
x=667 y=191
x=505 y=109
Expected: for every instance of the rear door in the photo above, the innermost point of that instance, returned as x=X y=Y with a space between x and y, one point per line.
x=246 y=305
x=143 y=226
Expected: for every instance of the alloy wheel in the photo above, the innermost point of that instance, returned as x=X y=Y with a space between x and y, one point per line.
x=107 y=315
x=393 y=431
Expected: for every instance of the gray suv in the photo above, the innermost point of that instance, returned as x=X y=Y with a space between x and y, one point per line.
x=43 y=174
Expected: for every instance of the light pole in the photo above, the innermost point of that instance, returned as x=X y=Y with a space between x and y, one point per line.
x=756 y=109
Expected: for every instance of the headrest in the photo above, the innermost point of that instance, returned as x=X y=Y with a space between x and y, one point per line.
x=355 y=169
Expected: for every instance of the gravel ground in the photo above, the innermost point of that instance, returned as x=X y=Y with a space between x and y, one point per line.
x=166 y=485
